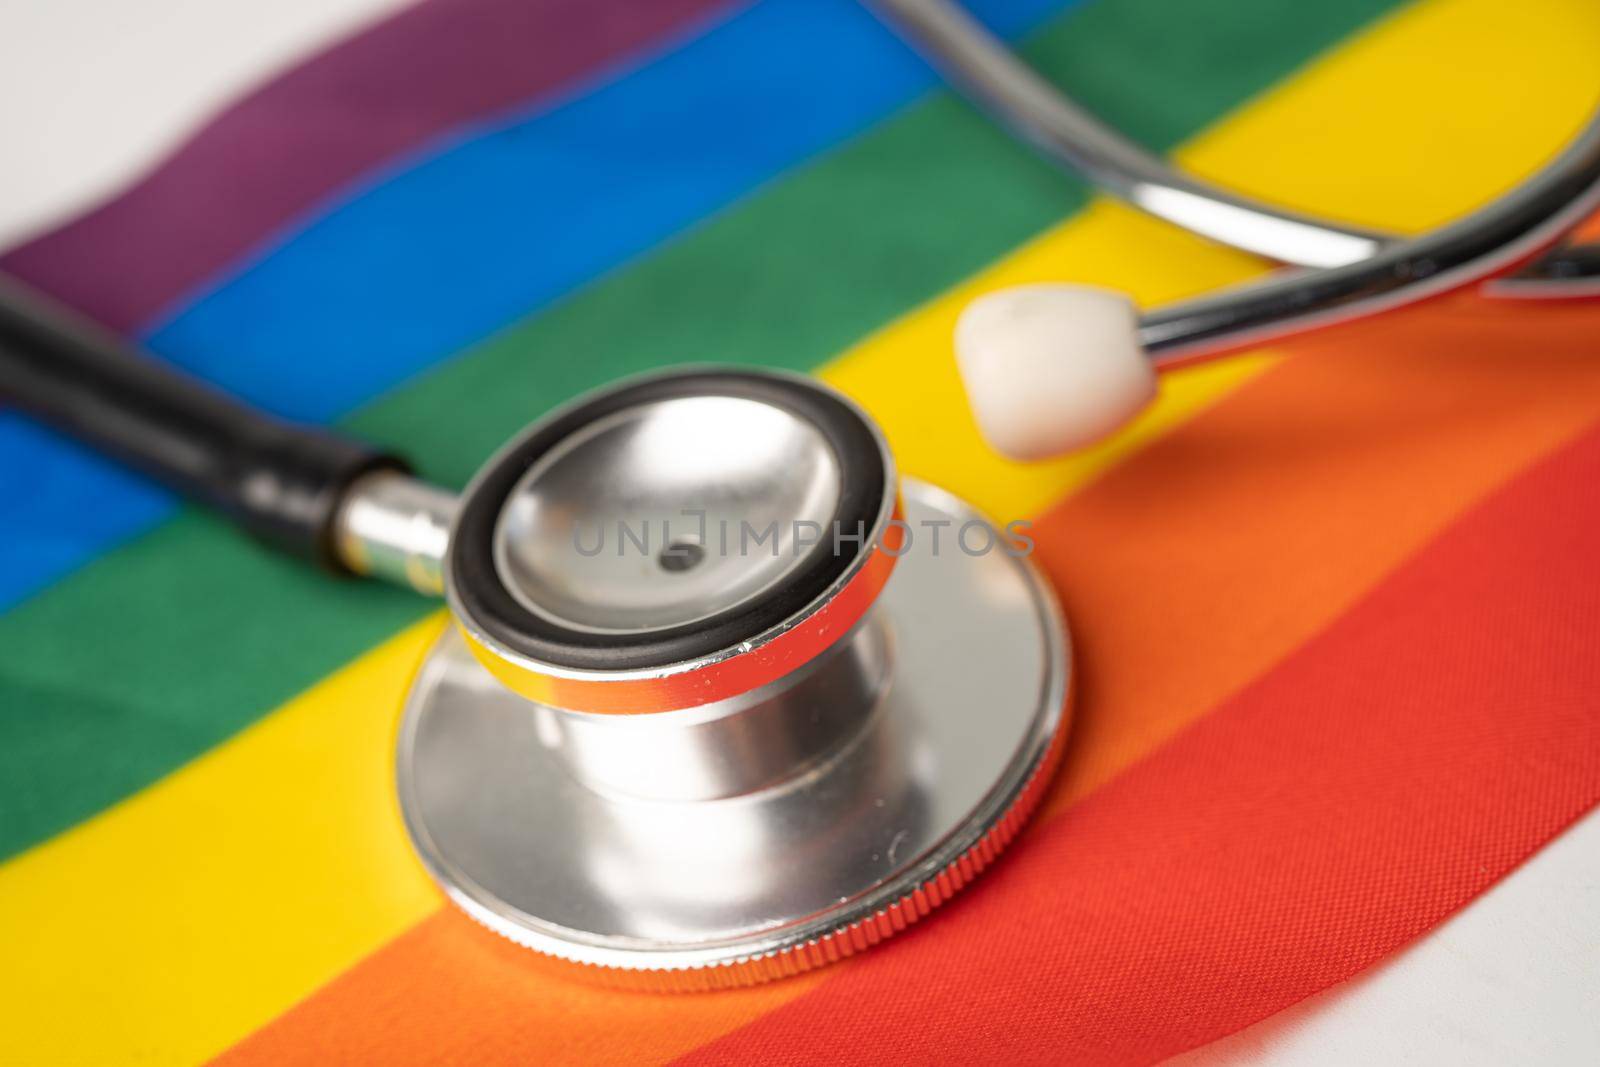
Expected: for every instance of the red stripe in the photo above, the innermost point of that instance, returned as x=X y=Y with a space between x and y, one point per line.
x=1375 y=781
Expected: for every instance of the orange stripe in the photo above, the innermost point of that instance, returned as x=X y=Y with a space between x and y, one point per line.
x=1364 y=788
x=1192 y=567
x=1224 y=546
x=448 y=991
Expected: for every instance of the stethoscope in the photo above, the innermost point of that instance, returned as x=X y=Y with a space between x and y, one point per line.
x=1050 y=368
x=715 y=708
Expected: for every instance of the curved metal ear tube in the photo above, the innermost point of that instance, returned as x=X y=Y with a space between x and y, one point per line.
x=1020 y=100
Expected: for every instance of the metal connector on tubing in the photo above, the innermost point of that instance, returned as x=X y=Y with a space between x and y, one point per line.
x=396 y=527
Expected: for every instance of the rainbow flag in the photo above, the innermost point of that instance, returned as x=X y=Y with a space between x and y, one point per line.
x=1336 y=603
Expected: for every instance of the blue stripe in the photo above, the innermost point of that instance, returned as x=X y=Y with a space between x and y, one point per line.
x=510 y=216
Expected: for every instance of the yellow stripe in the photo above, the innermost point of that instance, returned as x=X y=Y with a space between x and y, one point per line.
x=178 y=921
x=183 y=918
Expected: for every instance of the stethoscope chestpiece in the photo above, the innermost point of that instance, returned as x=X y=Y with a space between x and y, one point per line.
x=673 y=541
x=721 y=703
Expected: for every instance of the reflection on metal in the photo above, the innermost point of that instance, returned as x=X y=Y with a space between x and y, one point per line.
x=392 y=526
x=633 y=475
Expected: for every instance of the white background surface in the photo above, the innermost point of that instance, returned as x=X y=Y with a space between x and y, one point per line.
x=92 y=92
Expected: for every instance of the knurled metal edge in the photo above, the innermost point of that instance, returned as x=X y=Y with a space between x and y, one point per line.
x=846 y=940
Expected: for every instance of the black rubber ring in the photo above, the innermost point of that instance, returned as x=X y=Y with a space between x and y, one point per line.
x=483 y=598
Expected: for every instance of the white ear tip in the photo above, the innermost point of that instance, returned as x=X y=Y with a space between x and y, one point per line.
x=1050 y=368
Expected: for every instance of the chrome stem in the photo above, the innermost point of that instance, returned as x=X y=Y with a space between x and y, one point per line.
x=735 y=746
x=396 y=527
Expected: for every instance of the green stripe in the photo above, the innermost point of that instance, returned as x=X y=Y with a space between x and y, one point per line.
x=161 y=649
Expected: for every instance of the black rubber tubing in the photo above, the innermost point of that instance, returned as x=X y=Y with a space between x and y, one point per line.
x=281 y=482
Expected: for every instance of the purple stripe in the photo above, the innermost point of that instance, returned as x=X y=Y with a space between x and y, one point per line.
x=276 y=154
